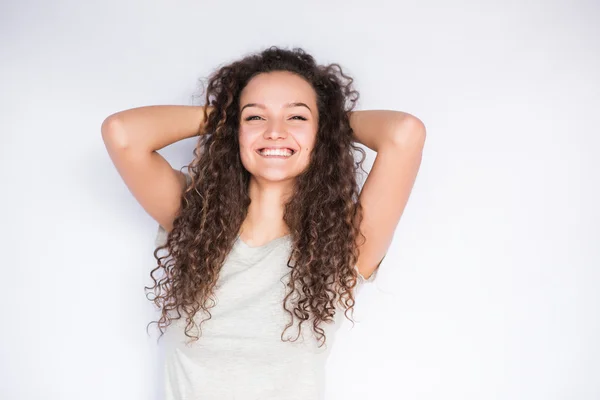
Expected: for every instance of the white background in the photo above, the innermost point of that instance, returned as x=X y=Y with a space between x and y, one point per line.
x=490 y=288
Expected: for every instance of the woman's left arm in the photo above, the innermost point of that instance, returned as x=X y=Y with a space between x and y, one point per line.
x=398 y=139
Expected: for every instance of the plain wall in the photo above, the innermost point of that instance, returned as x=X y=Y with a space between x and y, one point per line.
x=490 y=287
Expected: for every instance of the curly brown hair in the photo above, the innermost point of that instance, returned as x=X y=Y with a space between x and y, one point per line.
x=323 y=214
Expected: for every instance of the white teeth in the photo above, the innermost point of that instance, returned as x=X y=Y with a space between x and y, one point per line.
x=276 y=152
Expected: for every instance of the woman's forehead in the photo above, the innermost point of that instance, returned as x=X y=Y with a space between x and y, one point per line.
x=276 y=89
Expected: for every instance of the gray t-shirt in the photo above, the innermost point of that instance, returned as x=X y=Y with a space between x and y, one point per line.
x=240 y=354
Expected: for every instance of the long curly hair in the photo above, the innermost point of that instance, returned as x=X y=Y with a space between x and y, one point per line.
x=323 y=213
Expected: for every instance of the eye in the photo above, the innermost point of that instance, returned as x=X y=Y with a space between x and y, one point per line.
x=251 y=118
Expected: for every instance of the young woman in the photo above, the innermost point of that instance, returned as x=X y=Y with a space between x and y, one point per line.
x=268 y=225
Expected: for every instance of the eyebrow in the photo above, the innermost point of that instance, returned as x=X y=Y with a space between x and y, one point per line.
x=288 y=105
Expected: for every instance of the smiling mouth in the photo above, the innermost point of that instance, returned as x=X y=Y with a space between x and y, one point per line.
x=290 y=153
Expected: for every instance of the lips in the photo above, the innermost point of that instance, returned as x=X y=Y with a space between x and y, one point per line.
x=276 y=156
x=277 y=148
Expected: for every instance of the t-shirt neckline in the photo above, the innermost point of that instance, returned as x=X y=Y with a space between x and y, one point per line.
x=265 y=246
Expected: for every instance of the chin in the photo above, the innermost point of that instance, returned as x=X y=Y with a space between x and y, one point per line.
x=272 y=174
x=273 y=177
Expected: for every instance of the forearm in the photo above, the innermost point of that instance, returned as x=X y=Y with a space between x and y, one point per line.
x=377 y=128
x=154 y=127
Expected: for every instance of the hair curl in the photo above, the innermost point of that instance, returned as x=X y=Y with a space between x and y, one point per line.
x=323 y=214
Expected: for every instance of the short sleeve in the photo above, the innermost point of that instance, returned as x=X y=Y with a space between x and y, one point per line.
x=161 y=234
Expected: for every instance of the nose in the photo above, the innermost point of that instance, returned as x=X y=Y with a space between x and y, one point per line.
x=275 y=129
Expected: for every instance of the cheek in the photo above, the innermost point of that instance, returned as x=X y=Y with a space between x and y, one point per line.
x=307 y=143
x=244 y=139
x=246 y=142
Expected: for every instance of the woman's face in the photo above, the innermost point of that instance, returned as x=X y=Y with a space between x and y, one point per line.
x=278 y=109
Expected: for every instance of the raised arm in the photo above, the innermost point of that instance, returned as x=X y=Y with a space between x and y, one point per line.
x=132 y=138
x=398 y=138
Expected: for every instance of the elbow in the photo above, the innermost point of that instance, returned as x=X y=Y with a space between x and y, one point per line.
x=112 y=133
x=110 y=125
x=411 y=131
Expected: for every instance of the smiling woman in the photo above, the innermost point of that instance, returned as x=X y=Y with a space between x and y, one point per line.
x=268 y=120
x=267 y=228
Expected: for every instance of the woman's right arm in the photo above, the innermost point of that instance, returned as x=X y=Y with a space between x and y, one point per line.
x=132 y=138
